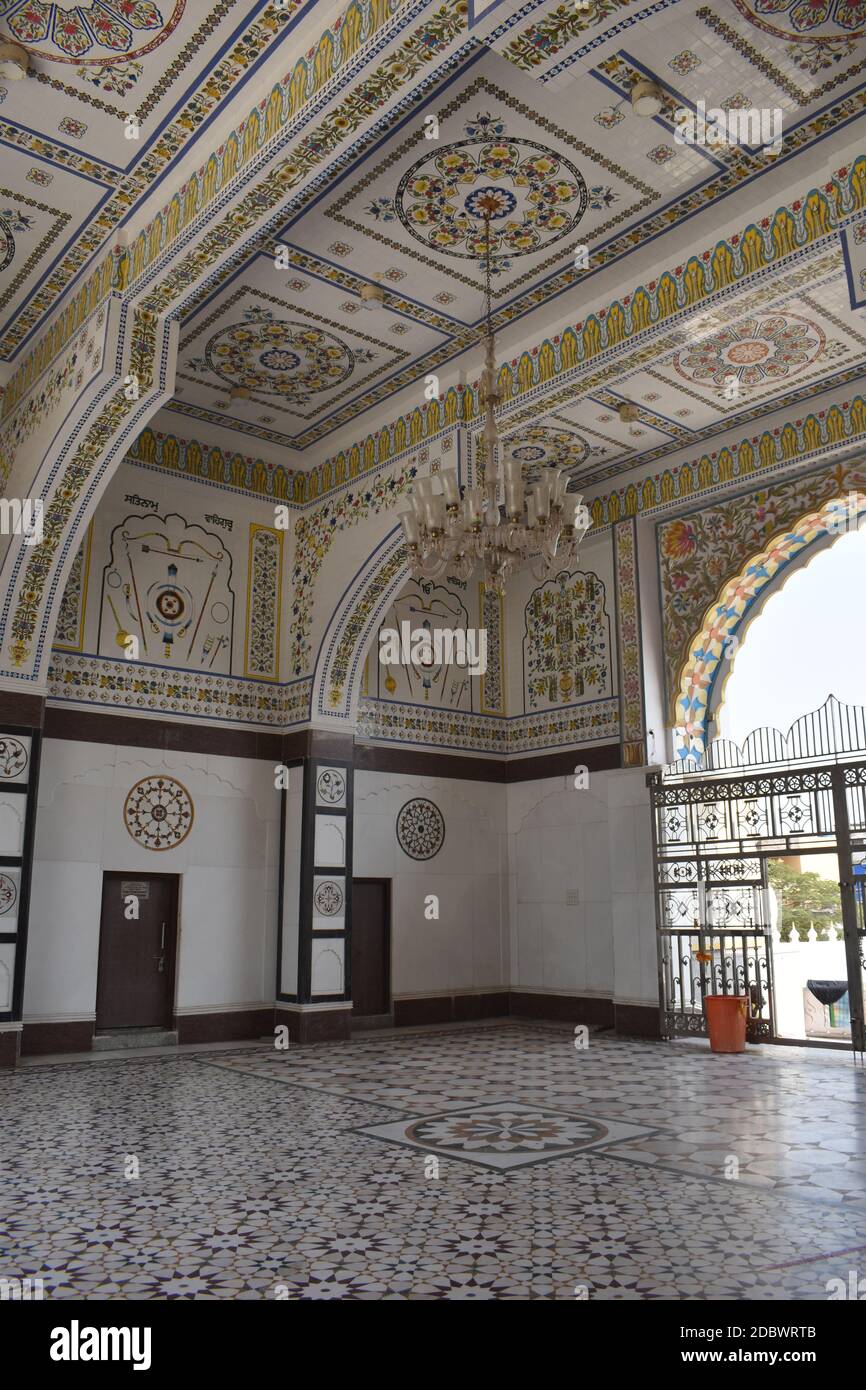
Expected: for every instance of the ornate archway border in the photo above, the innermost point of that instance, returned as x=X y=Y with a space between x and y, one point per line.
x=77 y=476
x=731 y=608
x=336 y=687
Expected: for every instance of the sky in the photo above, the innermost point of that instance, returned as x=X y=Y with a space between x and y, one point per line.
x=808 y=642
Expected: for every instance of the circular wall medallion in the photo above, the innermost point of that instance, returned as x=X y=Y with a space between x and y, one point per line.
x=805 y=21
x=158 y=812
x=8 y=893
x=756 y=352
x=328 y=899
x=420 y=828
x=279 y=357
x=92 y=31
x=13 y=756
x=331 y=786
x=529 y=196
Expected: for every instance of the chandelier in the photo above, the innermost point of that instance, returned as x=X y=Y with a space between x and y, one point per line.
x=500 y=525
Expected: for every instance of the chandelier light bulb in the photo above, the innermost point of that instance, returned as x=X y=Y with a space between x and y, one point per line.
x=497 y=524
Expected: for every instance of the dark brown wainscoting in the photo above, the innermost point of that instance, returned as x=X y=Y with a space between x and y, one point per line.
x=26 y=710
x=38 y=1039
x=232 y=1026
x=10 y=1045
x=94 y=726
x=316 y=1025
x=637 y=1021
x=449 y=1008
x=91 y=726
x=562 y=1008
x=370 y=757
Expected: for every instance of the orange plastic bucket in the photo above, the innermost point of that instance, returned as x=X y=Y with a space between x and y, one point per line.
x=726 y=1020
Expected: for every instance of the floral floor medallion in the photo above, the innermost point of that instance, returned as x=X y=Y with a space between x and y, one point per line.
x=507 y=1135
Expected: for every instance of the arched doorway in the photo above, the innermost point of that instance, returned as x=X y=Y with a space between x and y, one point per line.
x=760 y=827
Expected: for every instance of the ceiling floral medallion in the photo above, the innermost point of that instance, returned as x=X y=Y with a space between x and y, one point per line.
x=279 y=357
x=158 y=812
x=806 y=20
x=532 y=196
x=90 y=31
x=546 y=446
x=420 y=828
x=756 y=352
x=11 y=221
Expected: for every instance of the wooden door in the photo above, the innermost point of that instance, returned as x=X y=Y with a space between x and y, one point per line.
x=371 y=946
x=138 y=933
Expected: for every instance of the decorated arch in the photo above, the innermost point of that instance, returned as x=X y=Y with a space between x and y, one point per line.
x=735 y=606
x=365 y=601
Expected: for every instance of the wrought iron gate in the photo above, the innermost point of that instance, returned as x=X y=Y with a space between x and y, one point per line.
x=712 y=836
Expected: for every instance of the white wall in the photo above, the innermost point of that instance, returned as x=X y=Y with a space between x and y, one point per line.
x=510 y=856
x=596 y=842
x=228 y=868
x=466 y=949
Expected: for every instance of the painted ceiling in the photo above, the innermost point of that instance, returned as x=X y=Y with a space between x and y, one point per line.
x=72 y=171
x=527 y=116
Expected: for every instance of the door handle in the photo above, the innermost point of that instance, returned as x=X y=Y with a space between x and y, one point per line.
x=162 y=938
x=161 y=966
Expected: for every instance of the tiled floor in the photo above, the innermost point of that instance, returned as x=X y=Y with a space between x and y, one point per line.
x=482 y=1162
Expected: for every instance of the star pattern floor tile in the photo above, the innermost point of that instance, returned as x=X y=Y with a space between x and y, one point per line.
x=506 y=1135
x=255 y=1175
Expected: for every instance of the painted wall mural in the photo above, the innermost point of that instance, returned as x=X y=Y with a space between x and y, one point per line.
x=701 y=553
x=69 y=635
x=139 y=685
x=428 y=607
x=566 y=643
x=168 y=584
x=723 y=619
x=158 y=812
x=314 y=535
x=264 y=602
x=492 y=699
x=628 y=638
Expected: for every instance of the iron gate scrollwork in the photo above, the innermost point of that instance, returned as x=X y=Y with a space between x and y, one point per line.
x=712 y=836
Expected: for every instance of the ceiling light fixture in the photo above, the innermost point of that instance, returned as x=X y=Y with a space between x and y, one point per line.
x=373 y=295
x=628 y=414
x=647 y=98
x=449 y=532
x=14 y=61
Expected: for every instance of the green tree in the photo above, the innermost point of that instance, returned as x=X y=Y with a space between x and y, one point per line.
x=805 y=901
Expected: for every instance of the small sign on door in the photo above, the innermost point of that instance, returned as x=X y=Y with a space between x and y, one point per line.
x=137 y=888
